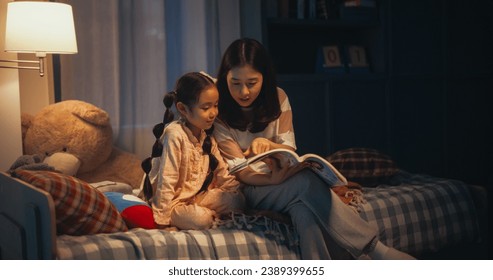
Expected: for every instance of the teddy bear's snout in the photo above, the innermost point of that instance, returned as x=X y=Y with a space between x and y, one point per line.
x=64 y=162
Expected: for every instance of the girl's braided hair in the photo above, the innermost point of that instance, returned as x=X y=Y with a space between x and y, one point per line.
x=187 y=91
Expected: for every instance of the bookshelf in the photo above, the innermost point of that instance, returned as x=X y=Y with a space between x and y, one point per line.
x=295 y=40
x=319 y=94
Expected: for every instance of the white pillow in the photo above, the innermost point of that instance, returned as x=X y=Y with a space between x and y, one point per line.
x=110 y=186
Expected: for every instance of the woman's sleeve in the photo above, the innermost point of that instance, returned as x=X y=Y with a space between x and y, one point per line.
x=285 y=128
x=167 y=178
x=229 y=147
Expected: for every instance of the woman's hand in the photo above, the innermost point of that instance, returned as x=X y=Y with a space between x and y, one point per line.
x=259 y=145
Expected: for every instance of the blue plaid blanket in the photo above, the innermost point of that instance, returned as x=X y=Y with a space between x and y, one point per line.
x=418 y=213
x=241 y=238
x=414 y=213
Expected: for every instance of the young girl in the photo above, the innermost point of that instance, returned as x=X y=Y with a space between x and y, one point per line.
x=255 y=116
x=188 y=184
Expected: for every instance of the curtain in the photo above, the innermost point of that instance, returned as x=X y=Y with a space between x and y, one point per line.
x=132 y=51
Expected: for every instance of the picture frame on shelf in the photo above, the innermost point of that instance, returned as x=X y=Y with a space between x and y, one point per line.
x=332 y=56
x=330 y=60
x=357 y=59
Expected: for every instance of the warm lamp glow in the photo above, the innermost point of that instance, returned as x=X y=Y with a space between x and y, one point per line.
x=40 y=28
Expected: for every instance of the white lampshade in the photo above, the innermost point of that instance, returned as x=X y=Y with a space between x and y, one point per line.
x=40 y=27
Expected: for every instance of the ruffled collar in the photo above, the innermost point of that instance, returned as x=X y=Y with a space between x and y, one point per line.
x=191 y=137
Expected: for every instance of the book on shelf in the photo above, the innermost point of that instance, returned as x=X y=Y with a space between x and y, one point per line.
x=322 y=9
x=360 y=3
x=326 y=9
x=358 y=10
x=318 y=164
x=300 y=9
x=306 y=9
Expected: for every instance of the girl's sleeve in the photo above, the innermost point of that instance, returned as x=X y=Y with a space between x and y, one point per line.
x=223 y=179
x=167 y=178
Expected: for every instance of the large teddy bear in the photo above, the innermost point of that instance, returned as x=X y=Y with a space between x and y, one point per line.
x=77 y=138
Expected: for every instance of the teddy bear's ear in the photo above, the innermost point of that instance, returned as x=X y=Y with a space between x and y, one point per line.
x=92 y=114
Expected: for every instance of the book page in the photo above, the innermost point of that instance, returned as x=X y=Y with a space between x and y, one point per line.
x=325 y=170
x=282 y=154
x=289 y=155
x=319 y=165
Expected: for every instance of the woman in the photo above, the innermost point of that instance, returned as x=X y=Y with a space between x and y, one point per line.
x=255 y=116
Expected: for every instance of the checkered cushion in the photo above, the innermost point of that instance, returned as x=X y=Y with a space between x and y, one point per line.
x=79 y=208
x=368 y=167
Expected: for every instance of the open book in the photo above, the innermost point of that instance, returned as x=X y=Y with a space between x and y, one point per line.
x=319 y=165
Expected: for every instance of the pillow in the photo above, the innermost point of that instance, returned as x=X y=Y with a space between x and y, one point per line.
x=365 y=166
x=110 y=186
x=134 y=211
x=79 y=208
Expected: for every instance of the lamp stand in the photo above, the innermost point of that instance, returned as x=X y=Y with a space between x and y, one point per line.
x=38 y=64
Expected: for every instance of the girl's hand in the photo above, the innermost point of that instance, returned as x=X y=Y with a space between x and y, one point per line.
x=259 y=145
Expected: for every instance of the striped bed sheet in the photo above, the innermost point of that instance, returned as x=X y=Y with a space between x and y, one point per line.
x=239 y=239
x=418 y=213
x=414 y=213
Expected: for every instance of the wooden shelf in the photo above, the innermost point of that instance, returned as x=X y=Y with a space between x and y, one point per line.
x=321 y=23
x=295 y=43
x=318 y=77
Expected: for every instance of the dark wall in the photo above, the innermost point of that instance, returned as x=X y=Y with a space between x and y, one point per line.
x=427 y=100
x=469 y=70
x=441 y=73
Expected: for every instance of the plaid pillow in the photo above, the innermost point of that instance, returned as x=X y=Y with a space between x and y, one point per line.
x=365 y=166
x=79 y=208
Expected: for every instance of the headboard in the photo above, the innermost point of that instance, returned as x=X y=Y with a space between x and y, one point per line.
x=28 y=229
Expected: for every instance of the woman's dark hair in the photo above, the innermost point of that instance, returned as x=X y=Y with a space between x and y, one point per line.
x=187 y=91
x=266 y=108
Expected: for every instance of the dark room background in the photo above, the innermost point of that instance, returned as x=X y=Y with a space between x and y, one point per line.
x=425 y=98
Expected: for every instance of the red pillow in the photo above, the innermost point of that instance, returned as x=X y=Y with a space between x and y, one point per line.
x=79 y=208
x=135 y=212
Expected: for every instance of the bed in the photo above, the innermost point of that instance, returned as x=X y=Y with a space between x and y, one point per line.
x=416 y=213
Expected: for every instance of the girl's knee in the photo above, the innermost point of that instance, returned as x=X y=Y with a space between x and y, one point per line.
x=192 y=217
x=223 y=202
